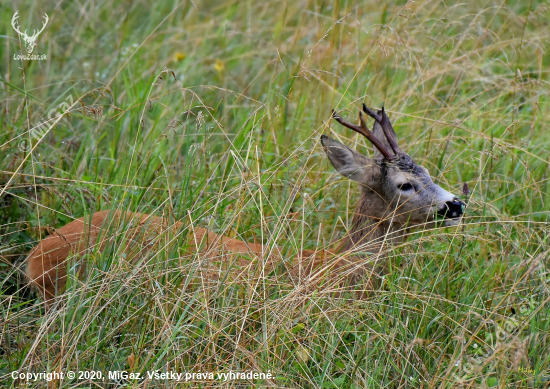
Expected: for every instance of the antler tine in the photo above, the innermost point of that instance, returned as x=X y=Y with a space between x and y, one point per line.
x=385 y=123
x=363 y=130
x=371 y=113
x=389 y=132
x=36 y=32
x=14 y=22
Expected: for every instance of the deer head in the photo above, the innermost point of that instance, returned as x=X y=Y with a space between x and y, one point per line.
x=30 y=41
x=394 y=188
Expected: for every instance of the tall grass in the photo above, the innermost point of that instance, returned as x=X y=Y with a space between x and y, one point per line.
x=210 y=113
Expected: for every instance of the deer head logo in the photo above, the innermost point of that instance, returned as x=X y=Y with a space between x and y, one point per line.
x=30 y=41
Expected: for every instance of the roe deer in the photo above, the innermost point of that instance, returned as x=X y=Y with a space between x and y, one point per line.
x=396 y=195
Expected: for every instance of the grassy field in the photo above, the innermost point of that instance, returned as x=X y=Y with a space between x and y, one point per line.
x=210 y=112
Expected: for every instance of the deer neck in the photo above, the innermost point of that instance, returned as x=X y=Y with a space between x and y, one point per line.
x=372 y=228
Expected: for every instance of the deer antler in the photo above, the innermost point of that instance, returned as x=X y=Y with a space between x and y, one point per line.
x=35 y=35
x=363 y=130
x=384 y=122
x=15 y=24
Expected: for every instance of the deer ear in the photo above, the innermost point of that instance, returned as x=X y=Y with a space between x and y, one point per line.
x=346 y=161
x=379 y=133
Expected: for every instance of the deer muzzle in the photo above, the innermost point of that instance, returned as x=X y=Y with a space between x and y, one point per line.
x=452 y=209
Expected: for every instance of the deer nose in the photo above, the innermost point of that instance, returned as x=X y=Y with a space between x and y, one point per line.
x=452 y=209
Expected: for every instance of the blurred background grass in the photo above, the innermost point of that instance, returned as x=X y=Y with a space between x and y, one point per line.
x=210 y=112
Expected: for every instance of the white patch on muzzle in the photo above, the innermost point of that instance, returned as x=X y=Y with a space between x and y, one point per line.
x=442 y=197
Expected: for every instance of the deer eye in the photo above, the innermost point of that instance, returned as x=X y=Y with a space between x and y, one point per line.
x=406 y=186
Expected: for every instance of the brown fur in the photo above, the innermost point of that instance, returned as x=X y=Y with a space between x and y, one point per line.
x=47 y=262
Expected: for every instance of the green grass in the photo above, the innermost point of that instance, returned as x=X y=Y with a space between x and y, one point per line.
x=227 y=138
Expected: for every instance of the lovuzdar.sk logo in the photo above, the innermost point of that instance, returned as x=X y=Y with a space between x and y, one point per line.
x=30 y=40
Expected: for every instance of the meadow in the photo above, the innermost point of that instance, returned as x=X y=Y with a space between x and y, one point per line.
x=210 y=112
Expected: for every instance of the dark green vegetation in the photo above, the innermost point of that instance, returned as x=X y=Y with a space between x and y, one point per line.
x=227 y=138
